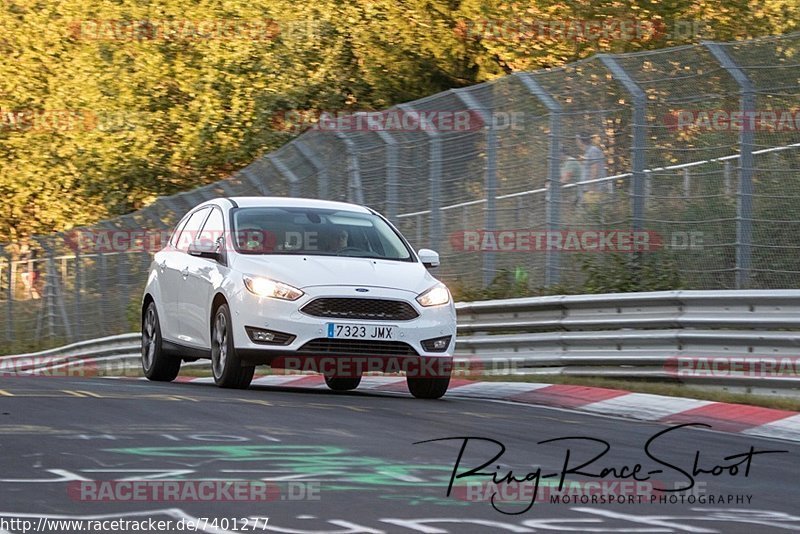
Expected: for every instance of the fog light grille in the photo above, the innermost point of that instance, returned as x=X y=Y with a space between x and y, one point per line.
x=268 y=337
x=436 y=344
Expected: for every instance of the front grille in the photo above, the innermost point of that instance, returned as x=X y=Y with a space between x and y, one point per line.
x=369 y=309
x=348 y=347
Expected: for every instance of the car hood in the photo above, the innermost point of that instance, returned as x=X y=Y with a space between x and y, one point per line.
x=309 y=271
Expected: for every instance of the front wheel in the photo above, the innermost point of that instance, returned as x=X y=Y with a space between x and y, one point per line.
x=156 y=364
x=431 y=379
x=225 y=363
x=338 y=383
x=428 y=388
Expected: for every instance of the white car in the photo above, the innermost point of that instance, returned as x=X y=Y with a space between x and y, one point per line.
x=300 y=284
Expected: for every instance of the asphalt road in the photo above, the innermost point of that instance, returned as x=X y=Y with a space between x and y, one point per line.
x=347 y=462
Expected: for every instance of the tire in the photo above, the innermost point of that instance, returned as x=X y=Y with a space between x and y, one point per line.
x=339 y=383
x=427 y=387
x=431 y=378
x=156 y=364
x=225 y=363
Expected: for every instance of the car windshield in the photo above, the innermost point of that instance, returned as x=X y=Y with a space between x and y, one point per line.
x=319 y=232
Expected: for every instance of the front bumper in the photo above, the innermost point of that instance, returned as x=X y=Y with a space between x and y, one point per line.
x=311 y=332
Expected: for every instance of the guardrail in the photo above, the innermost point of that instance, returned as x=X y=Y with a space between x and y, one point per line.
x=741 y=338
x=745 y=338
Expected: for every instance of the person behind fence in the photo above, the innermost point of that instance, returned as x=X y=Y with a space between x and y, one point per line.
x=593 y=168
x=570 y=173
x=29 y=272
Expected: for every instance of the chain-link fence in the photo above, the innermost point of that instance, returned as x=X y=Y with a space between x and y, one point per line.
x=681 y=161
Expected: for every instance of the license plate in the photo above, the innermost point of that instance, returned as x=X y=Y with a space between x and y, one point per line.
x=358 y=331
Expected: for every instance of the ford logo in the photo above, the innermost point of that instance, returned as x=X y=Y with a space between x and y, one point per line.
x=362 y=289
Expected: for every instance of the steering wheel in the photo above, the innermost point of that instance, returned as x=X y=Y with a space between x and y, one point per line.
x=350 y=249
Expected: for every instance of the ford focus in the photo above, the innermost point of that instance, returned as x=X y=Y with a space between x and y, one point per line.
x=299 y=284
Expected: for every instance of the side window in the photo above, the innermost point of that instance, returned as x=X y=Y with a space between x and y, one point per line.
x=173 y=239
x=214 y=227
x=191 y=229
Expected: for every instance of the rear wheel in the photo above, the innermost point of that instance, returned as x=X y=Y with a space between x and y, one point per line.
x=225 y=363
x=156 y=364
x=339 y=383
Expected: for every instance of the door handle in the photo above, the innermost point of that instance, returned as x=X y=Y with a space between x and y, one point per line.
x=185 y=273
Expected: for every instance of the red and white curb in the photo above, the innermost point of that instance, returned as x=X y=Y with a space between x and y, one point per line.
x=752 y=420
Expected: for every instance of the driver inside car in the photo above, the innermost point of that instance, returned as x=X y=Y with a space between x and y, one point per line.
x=336 y=241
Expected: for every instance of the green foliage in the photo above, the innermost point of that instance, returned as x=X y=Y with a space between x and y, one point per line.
x=622 y=273
x=506 y=284
x=610 y=273
x=158 y=116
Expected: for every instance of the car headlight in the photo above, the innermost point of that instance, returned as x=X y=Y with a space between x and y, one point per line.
x=264 y=287
x=435 y=296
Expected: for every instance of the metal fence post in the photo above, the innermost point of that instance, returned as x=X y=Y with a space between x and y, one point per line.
x=639 y=145
x=391 y=166
x=490 y=181
x=391 y=174
x=10 y=301
x=687 y=183
x=225 y=185
x=744 y=208
x=726 y=176
x=434 y=181
x=553 y=197
x=286 y=172
x=354 y=191
x=253 y=180
x=102 y=291
x=78 y=282
x=322 y=170
x=179 y=211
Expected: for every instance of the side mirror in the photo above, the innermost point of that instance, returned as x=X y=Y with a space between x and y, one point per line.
x=204 y=248
x=428 y=257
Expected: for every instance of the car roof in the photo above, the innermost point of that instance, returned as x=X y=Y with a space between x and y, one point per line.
x=289 y=202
